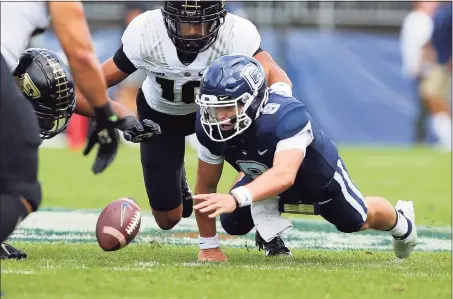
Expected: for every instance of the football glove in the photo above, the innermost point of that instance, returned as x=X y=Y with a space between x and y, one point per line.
x=141 y=131
x=106 y=135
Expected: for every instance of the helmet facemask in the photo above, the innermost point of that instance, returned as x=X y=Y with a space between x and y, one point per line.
x=47 y=83
x=53 y=121
x=193 y=25
x=217 y=128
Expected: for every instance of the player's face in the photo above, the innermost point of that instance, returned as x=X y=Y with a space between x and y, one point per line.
x=227 y=115
x=193 y=30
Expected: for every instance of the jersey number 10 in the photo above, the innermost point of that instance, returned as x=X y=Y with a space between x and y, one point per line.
x=187 y=90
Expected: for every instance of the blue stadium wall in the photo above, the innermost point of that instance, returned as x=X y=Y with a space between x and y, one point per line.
x=351 y=82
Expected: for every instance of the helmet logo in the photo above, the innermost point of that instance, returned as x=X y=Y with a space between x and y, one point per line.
x=27 y=86
x=253 y=76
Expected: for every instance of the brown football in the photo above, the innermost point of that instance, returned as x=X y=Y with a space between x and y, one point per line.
x=118 y=224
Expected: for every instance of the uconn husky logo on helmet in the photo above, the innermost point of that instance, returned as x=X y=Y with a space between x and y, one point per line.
x=253 y=76
x=232 y=92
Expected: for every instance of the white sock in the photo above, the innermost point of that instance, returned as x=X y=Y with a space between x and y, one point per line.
x=442 y=126
x=401 y=226
x=209 y=243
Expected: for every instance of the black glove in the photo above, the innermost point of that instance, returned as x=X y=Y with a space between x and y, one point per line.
x=105 y=133
x=141 y=131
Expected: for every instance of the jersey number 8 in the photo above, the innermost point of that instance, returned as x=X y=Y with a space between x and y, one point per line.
x=252 y=168
x=187 y=90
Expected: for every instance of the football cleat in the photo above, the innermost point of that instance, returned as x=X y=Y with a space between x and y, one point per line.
x=275 y=247
x=187 y=197
x=9 y=252
x=402 y=247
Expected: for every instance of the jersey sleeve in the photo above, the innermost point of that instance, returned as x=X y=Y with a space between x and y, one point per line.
x=209 y=151
x=132 y=39
x=294 y=130
x=247 y=39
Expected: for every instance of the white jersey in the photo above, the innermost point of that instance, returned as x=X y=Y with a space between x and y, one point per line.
x=19 y=21
x=416 y=31
x=170 y=86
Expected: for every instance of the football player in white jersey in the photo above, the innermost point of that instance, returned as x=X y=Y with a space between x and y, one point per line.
x=174 y=46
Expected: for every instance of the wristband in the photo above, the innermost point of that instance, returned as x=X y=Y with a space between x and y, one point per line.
x=282 y=88
x=242 y=195
x=105 y=113
x=235 y=199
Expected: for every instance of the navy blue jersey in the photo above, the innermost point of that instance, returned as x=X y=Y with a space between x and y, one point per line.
x=252 y=152
x=441 y=37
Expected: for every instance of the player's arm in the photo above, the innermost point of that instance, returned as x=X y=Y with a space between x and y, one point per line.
x=288 y=157
x=84 y=108
x=248 y=41
x=294 y=138
x=279 y=178
x=117 y=68
x=276 y=77
x=71 y=28
x=127 y=58
x=209 y=171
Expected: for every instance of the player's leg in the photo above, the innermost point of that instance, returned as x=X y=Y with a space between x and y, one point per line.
x=20 y=191
x=422 y=116
x=436 y=91
x=349 y=211
x=162 y=160
x=241 y=222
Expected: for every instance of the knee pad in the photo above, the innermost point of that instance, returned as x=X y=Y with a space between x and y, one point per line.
x=12 y=212
x=31 y=191
x=350 y=227
x=234 y=227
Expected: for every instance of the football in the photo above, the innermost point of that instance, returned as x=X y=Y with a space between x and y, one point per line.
x=118 y=224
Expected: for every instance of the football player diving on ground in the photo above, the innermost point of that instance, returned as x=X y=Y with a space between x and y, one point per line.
x=174 y=45
x=47 y=83
x=275 y=142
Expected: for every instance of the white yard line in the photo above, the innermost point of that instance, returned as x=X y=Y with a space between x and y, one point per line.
x=79 y=226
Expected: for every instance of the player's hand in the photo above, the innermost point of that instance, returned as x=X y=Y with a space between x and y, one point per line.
x=106 y=135
x=216 y=203
x=212 y=255
x=141 y=131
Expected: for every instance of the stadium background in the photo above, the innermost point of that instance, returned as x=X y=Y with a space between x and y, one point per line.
x=344 y=60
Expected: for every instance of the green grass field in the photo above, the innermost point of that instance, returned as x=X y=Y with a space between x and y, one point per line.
x=65 y=261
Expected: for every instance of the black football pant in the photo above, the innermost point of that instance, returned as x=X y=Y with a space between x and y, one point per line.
x=19 y=142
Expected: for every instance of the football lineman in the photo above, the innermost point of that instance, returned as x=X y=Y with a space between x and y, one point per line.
x=284 y=155
x=53 y=97
x=20 y=190
x=174 y=46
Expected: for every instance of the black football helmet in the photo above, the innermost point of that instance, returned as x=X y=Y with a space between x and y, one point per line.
x=47 y=82
x=193 y=25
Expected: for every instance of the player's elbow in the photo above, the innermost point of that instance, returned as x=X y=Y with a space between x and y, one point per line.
x=289 y=182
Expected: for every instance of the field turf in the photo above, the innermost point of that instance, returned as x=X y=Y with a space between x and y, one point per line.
x=65 y=261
